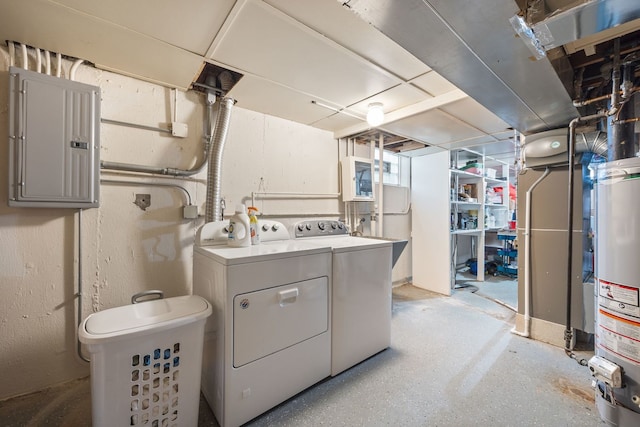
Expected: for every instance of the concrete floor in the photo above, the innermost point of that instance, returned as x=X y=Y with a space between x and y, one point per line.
x=452 y=362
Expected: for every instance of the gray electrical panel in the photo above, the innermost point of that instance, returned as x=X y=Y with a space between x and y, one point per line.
x=54 y=141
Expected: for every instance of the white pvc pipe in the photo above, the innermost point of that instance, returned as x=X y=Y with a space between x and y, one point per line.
x=380 y=184
x=12 y=54
x=25 y=61
x=373 y=224
x=38 y=60
x=58 y=64
x=47 y=57
x=74 y=68
x=527 y=259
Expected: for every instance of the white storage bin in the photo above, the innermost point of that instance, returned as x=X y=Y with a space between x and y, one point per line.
x=146 y=361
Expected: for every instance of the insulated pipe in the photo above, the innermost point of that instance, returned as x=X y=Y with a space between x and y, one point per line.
x=213 y=211
x=25 y=61
x=527 y=259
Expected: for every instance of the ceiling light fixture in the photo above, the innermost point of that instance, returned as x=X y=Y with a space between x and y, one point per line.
x=375 y=114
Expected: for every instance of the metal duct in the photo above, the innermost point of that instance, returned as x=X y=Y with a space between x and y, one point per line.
x=592 y=142
x=550 y=148
x=213 y=211
x=474 y=46
x=583 y=20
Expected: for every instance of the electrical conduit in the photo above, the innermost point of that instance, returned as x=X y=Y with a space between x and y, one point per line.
x=527 y=259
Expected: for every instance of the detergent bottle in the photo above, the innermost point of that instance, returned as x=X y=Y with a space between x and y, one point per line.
x=239 y=231
x=253 y=225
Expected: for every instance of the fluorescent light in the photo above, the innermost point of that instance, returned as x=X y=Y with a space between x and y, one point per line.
x=375 y=114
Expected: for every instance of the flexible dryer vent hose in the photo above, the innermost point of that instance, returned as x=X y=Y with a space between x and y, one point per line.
x=213 y=210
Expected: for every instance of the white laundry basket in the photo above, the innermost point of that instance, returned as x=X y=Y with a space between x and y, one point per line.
x=146 y=361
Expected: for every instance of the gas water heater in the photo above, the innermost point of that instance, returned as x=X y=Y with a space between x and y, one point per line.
x=616 y=364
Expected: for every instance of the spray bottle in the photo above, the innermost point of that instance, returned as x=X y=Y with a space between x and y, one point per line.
x=253 y=225
x=239 y=232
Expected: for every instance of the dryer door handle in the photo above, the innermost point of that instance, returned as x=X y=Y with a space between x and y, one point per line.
x=288 y=297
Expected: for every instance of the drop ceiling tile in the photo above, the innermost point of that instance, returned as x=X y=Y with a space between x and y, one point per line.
x=433 y=83
x=264 y=42
x=107 y=45
x=277 y=100
x=421 y=151
x=433 y=127
x=336 y=122
x=191 y=24
x=468 y=143
x=346 y=28
x=392 y=99
x=470 y=111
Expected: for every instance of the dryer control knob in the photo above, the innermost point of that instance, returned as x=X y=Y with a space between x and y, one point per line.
x=300 y=227
x=321 y=225
x=275 y=227
x=308 y=227
x=265 y=227
x=334 y=225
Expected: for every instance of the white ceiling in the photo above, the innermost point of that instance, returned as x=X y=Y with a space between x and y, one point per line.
x=290 y=52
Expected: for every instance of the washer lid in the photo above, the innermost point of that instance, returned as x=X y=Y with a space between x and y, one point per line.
x=144 y=316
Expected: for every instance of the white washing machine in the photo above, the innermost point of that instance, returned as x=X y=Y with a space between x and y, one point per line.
x=361 y=299
x=270 y=333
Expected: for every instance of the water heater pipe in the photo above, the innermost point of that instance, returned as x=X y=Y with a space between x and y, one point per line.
x=527 y=259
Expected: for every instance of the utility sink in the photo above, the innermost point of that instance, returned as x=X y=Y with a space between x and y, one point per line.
x=397 y=247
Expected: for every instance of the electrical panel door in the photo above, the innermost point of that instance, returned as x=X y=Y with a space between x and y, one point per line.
x=54 y=141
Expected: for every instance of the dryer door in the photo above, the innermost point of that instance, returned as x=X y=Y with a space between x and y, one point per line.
x=269 y=320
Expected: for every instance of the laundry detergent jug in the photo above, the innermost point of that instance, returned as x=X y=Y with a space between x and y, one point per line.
x=239 y=234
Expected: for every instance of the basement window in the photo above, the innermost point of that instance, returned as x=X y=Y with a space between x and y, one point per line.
x=392 y=169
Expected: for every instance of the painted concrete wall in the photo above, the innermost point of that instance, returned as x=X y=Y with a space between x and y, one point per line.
x=125 y=249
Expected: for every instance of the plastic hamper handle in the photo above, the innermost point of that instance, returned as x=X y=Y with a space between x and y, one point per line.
x=156 y=294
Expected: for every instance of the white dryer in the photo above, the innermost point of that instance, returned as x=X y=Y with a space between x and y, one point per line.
x=270 y=333
x=361 y=298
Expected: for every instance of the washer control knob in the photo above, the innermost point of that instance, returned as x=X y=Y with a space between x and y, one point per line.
x=226 y=229
x=300 y=227
x=340 y=225
x=275 y=227
x=334 y=225
x=265 y=227
x=321 y=225
x=307 y=226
